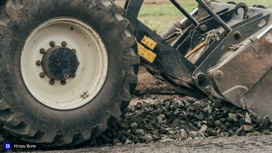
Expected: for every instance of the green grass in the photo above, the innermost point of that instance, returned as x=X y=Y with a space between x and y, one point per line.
x=159 y=15
x=267 y=3
x=164 y=9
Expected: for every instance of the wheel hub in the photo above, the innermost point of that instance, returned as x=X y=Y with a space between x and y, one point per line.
x=50 y=58
x=60 y=63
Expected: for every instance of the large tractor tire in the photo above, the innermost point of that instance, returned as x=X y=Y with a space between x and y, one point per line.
x=67 y=69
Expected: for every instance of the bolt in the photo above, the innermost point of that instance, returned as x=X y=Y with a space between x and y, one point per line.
x=74 y=50
x=64 y=44
x=51 y=82
x=63 y=82
x=42 y=75
x=66 y=76
x=42 y=50
x=38 y=63
x=201 y=77
x=203 y=27
x=52 y=43
x=218 y=74
x=237 y=35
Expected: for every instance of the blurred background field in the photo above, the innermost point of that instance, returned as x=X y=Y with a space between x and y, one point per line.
x=161 y=14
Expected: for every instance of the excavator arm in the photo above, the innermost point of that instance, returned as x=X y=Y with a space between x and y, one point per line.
x=219 y=50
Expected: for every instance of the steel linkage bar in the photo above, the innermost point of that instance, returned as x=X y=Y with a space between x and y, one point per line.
x=214 y=15
x=185 y=13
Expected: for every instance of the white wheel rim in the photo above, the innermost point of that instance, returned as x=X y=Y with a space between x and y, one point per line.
x=91 y=73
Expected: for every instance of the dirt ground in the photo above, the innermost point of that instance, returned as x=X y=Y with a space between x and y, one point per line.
x=159 y=90
x=147 y=84
x=259 y=144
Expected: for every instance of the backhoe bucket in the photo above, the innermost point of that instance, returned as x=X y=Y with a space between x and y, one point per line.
x=259 y=98
x=245 y=79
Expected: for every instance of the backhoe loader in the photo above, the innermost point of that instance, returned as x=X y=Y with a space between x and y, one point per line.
x=68 y=68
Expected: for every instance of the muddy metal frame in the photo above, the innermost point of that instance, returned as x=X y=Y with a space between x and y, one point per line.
x=169 y=61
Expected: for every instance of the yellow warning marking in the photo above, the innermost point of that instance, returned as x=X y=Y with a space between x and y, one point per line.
x=146 y=54
x=149 y=42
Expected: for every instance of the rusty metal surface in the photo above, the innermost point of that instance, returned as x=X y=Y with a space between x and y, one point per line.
x=235 y=78
x=259 y=98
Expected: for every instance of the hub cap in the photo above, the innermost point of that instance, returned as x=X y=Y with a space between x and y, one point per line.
x=60 y=63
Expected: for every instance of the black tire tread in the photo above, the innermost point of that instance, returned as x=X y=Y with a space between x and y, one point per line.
x=15 y=123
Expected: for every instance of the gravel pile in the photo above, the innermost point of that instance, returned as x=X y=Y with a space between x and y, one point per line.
x=175 y=119
x=181 y=118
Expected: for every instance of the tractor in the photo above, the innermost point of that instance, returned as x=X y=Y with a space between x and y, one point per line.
x=68 y=68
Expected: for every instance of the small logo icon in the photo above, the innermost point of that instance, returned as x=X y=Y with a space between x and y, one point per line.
x=7 y=146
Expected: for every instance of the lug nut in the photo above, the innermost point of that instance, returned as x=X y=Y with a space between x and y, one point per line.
x=38 y=63
x=63 y=82
x=42 y=50
x=66 y=76
x=74 y=50
x=52 y=43
x=51 y=82
x=42 y=75
x=64 y=44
